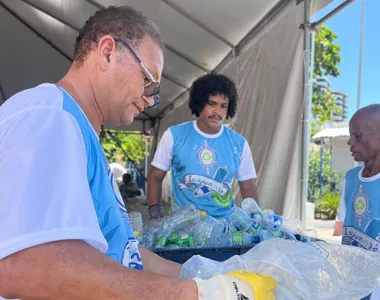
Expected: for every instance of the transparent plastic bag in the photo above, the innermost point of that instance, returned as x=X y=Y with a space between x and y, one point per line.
x=303 y=271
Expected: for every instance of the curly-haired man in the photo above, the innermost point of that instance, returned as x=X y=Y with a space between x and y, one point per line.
x=205 y=156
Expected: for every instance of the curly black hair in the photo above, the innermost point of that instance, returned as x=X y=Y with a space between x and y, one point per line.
x=211 y=85
x=123 y=22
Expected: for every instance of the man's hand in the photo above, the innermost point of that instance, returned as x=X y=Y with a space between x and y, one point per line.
x=155 y=211
x=238 y=285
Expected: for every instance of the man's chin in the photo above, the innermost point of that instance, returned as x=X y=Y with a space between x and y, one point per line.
x=357 y=157
x=120 y=125
x=126 y=122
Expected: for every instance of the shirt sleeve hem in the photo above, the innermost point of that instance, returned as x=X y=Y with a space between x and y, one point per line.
x=160 y=166
x=247 y=177
x=19 y=243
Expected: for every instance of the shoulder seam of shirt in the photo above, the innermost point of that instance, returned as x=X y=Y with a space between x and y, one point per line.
x=64 y=112
x=28 y=110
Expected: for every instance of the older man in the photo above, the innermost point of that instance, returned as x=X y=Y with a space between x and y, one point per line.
x=67 y=235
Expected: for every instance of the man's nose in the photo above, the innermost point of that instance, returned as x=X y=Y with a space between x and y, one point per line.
x=351 y=141
x=149 y=101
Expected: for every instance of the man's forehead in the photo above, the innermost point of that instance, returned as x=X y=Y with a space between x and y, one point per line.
x=218 y=98
x=363 y=122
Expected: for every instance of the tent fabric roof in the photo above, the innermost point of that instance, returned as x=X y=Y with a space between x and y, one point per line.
x=332 y=133
x=199 y=36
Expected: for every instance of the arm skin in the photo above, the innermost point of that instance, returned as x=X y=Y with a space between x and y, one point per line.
x=72 y=269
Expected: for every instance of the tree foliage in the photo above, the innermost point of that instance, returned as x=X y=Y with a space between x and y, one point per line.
x=330 y=177
x=132 y=143
x=326 y=60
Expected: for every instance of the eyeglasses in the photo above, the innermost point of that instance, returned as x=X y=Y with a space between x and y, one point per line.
x=152 y=89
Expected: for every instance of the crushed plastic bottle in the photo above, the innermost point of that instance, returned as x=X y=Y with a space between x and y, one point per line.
x=250 y=206
x=243 y=222
x=182 y=218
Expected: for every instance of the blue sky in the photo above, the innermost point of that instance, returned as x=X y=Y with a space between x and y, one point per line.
x=347 y=25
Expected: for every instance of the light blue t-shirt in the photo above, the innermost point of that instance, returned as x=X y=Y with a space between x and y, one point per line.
x=108 y=203
x=362 y=213
x=362 y=221
x=204 y=166
x=56 y=181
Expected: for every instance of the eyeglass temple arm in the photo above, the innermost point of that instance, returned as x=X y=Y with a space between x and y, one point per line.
x=138 y=59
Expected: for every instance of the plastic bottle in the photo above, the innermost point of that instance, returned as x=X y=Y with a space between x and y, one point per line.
x=186 y=240
x=182 y=218
x=250 y=206
x=243 y=222
x=243 y=239
x=270 y=234
x=211 y=231
x=136 y=220
x=161 y=243
x=151 y=232
x=202 y=231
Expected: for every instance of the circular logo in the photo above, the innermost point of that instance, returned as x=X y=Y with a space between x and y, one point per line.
x=207 y=157
x=360 y=205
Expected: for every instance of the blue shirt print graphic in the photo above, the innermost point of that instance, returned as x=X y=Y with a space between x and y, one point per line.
x=362 y=222
x=203 y=168
x=109 y=206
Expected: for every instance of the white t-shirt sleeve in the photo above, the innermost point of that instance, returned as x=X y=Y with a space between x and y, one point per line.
x=44 y=191
x=247 y=168
x=342 y=210
x=164 y=153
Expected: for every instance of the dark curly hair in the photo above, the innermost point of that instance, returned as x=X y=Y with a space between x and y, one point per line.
x=123 y=22
x=211 y=85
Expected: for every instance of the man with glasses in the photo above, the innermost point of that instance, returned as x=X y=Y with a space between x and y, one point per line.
x=67 y=235
x=358 y=219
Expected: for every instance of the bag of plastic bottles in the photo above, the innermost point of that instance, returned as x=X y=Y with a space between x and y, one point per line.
x=313 y=271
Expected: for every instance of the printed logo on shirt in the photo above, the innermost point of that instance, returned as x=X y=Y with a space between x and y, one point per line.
x=361 y=205
x=355 y=237
x=206 y=157
x=218 y=187
x=131 y=256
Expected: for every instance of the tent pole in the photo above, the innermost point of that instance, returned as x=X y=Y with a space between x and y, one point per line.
x=361 y=57
x=307 y=110
x=2 y=94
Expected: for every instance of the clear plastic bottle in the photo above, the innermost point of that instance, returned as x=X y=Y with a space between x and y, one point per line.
x=211 y=231
x=182 y=218
x=186 y=240
x=243 y=222
x=243 y=239
x=270 y=234
x=250 y=206
x=136 y=220
x=150 y=233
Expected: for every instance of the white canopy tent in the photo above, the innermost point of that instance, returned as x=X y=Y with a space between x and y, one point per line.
x=261 y=44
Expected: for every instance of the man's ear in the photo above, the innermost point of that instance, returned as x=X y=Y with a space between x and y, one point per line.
x=105 y=51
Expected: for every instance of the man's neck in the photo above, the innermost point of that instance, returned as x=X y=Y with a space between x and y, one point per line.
x=372 y=167
x=80 y=88
x=205 y=129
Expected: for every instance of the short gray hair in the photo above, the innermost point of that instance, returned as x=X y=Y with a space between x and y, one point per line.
x=123 y=22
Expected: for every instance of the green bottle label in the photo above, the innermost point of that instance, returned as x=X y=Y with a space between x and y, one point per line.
x=254 y=229
x=174 y=237
x=162 y=241
x=187 y=240
x=237 y=239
